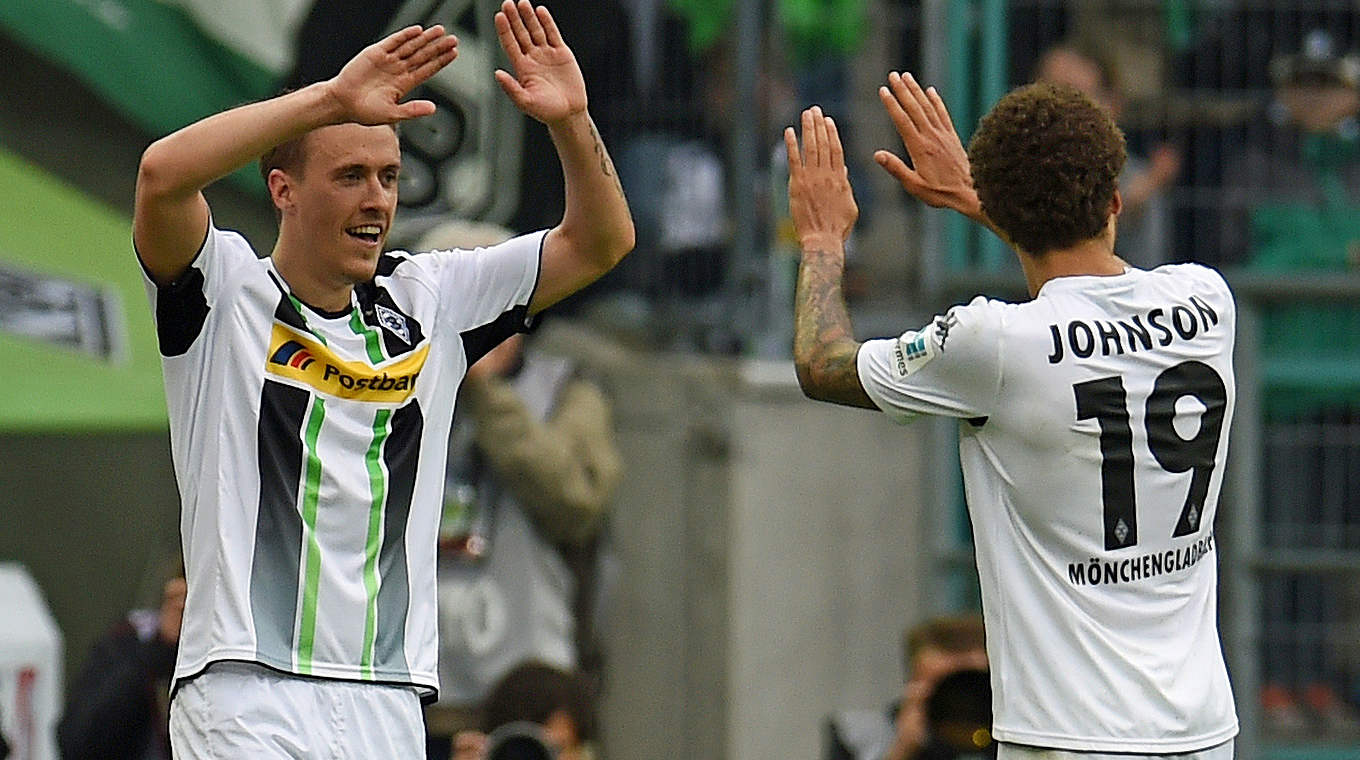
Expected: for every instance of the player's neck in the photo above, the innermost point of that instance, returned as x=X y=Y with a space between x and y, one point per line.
x=1094 y=256
x=307 y=285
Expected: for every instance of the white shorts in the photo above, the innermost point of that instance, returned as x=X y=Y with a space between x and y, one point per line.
x=241 y=710
x=1007 y=751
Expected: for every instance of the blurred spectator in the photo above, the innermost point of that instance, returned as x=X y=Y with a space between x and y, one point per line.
x=535 y=712
x=119 y=704
x=1297 y=198
x=532 y=465
x=1143 y=224
x=917 y=726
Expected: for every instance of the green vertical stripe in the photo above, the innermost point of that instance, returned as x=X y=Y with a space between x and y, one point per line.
x=303 y=316
x=377 y=483
x=312 y=578
x=371 y=339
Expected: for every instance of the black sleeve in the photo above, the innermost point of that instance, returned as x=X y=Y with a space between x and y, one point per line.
x=112 y=704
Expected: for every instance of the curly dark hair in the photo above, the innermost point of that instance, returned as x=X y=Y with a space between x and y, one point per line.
x=1045 y=161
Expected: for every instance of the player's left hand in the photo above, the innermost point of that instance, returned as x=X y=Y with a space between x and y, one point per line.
x=821 y=201
x=940 y=176
x=547 y=83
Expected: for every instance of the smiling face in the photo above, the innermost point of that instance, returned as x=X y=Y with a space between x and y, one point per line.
x=337 y=207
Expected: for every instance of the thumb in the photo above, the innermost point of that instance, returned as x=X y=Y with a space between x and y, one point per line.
x=414 y=109
x=894 y=165
x=511 y=86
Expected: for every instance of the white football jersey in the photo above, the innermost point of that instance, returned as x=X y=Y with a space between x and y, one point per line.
x=1094 y=434
x=310 y=449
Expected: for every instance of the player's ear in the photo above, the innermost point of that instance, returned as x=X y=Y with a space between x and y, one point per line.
x=1116 y=203
x=280 y=189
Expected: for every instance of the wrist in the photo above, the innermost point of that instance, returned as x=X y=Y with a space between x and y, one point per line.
x=325 y=103
x=824 y=246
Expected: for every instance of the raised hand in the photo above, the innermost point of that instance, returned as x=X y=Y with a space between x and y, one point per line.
x=547 y=83
x=941 y=176
x=370 y=87
x=821 y=202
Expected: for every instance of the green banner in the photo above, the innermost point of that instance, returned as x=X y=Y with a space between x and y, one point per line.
x=76 y=332
x=146 y=58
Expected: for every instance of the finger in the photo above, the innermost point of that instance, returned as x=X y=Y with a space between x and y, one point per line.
x=506 y=36
x=941 y=113
x=521 y=35
x=795 y=158
x=907 y=100
x=894 y=165
x=391 y=42
x=512 y=87
x=809 y=139
x=414 y=109
x=531 y=23
x=836 y=150
x=432 y=66
x=435 y=49
x=419 y=42
x=819 y=129
x=905 y=128
x=550 y=27
x=919 y=95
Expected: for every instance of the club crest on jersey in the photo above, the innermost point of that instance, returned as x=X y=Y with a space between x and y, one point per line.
x=393 y=321
x=915 y=349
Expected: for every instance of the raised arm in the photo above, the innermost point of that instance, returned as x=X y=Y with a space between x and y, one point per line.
x=170 y=215
x=940 y=177
x=596 y=231
x=823 y=209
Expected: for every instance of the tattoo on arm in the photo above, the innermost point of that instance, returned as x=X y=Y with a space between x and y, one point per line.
x=606 y=165
x=824 y=348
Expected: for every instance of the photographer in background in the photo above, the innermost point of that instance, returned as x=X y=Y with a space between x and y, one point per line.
x=932 y=651
x=535 y=711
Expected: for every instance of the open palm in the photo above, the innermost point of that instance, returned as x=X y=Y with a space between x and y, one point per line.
x=370 y=87
x=547 y=83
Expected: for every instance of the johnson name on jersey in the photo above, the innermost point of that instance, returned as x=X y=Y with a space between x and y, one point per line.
x=1095 y=431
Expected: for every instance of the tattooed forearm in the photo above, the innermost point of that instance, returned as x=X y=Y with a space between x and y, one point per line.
x=824 y=347
x=606 y=164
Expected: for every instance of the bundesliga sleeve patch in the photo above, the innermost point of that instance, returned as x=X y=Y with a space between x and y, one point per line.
x=916 y=348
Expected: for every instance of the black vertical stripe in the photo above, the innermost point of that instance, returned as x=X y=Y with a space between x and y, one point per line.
x=278 y=524
x=401 y=454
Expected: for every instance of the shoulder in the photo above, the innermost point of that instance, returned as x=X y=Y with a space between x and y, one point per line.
x=1197 y=276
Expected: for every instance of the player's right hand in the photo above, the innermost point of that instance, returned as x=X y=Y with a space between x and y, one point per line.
x=369 y=89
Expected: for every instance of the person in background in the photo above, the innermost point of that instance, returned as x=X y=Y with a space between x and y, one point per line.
x=532 y=466
x=118 y=708
x=1143 y=224
x=1295 y=197
x=931 y=651
x=534 y=707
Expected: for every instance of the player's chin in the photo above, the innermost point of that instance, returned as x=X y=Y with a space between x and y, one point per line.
x=363 y=267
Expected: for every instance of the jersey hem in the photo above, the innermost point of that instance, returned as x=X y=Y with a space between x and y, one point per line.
x=1108 y=744
x=425 y=684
